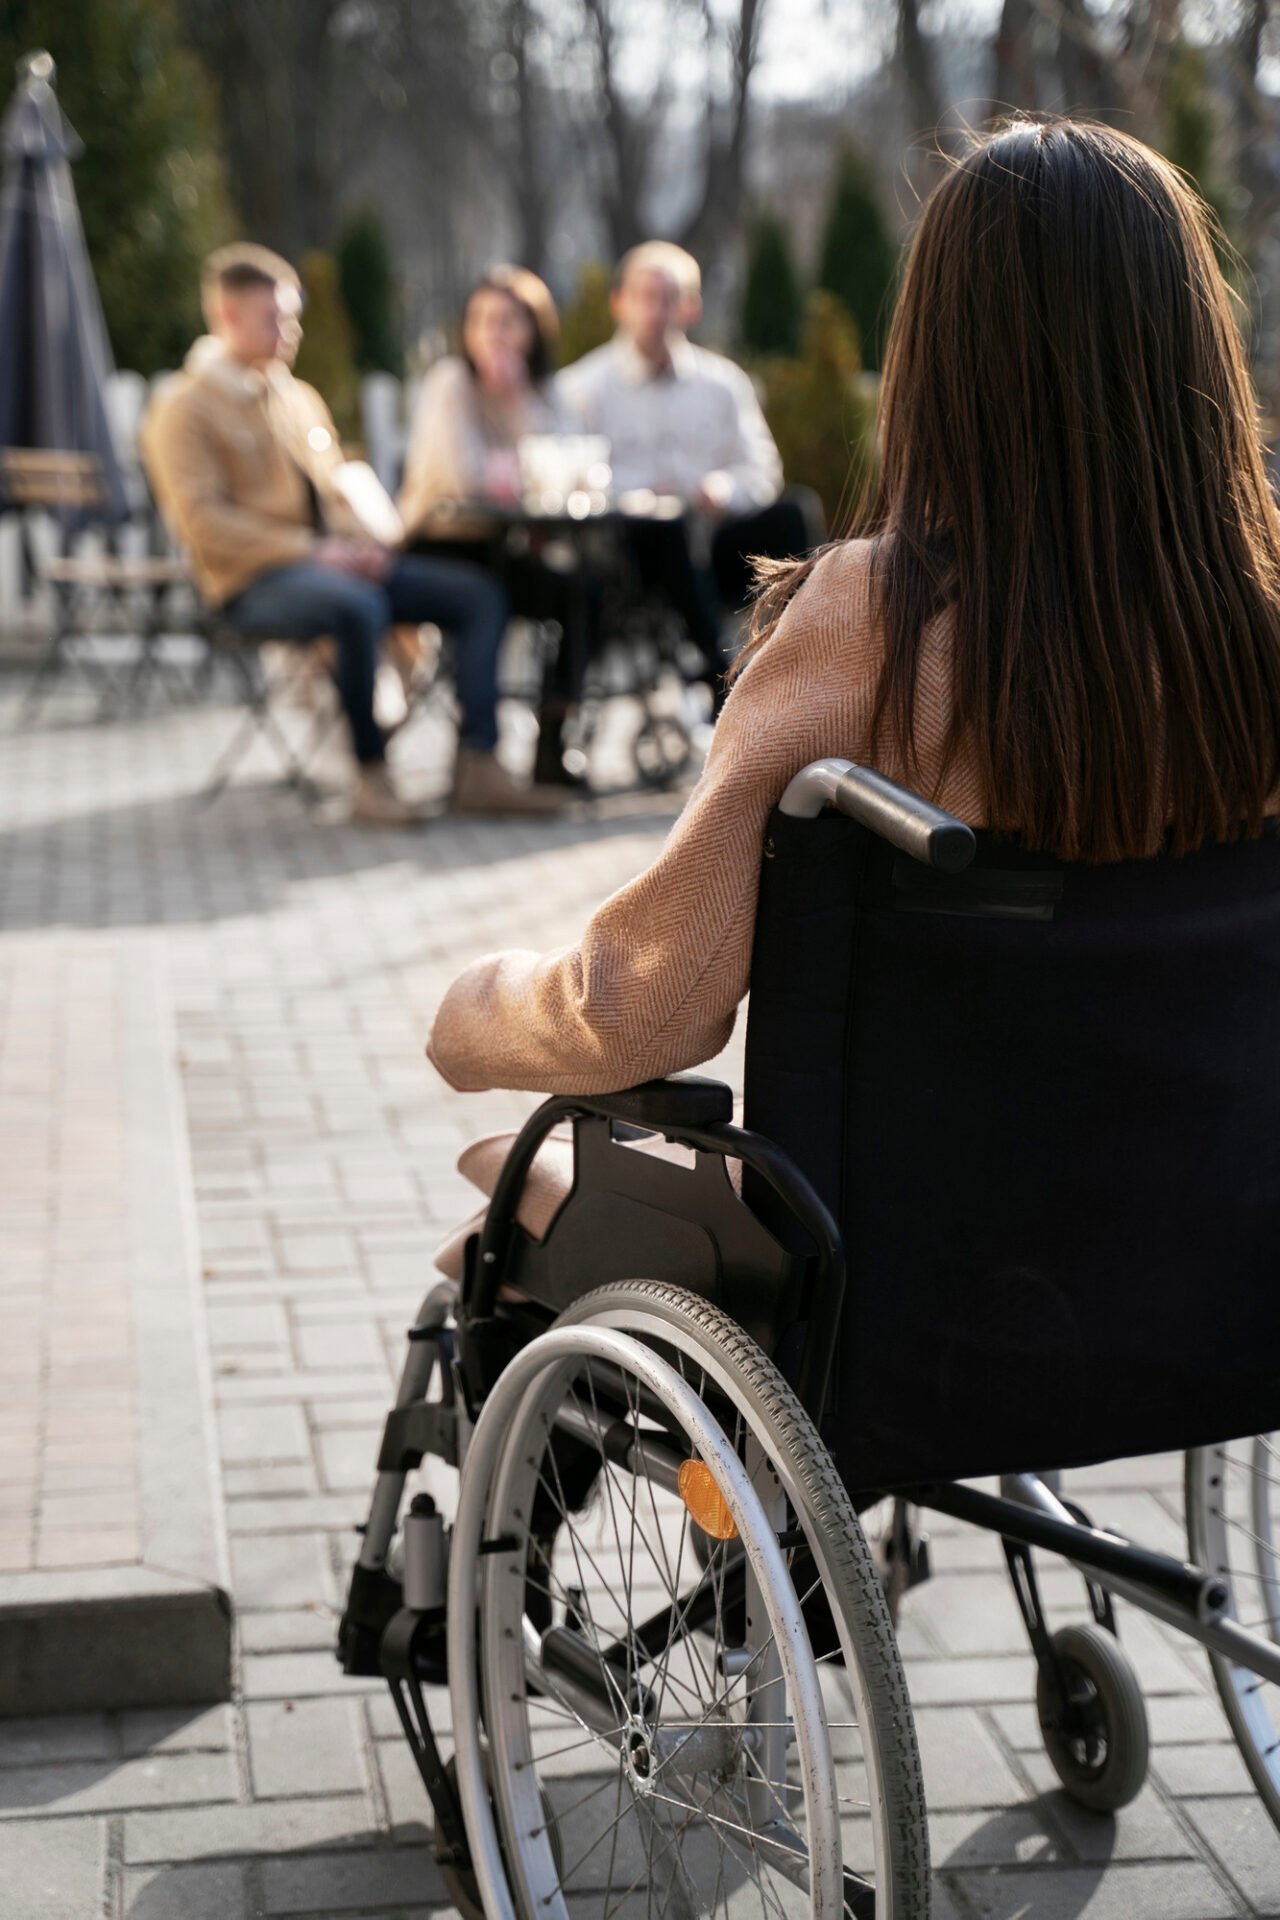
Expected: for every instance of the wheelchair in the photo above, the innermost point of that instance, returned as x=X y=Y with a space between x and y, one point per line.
x=645 y=660
x=1005 y=1198
x=641 y=658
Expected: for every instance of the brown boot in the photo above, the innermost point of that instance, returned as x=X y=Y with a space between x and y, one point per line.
x=481 y=784
x=377 y=803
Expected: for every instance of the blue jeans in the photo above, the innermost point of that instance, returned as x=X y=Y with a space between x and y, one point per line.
x=302 y=602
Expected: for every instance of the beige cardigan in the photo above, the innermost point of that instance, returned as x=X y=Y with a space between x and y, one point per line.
x=654 y=984
x=456 y=425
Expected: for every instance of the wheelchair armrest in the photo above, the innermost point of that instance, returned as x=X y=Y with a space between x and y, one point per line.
x=905 y=819
x=660 y=1106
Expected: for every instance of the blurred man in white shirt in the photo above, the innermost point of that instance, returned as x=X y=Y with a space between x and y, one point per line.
x=683 y=421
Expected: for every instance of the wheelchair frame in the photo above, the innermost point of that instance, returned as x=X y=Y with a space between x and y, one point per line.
x=642 y=641
x=382 y=1635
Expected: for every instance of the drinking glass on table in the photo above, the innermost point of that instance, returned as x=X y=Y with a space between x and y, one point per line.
x=565 y=473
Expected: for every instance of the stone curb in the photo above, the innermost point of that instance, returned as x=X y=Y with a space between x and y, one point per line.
x=157 y=1633
x=99 y=1638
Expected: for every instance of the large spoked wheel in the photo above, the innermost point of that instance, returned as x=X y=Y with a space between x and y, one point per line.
x=728 y=1739
x=1232 y=1531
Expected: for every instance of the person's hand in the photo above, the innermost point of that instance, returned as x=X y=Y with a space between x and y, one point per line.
x=363 y=558
x=338 y=555
x=501 y=474
x=373 y=560
x=715 y=491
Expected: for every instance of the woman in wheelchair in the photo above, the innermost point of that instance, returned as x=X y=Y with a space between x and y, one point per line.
x=1013 y=1058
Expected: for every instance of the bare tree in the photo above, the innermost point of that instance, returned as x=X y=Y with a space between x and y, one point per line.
x=1091 y=75
x=1014 y=80
x=275 y=69
x=632 y=125
x=627 y=126
x=529 y=177
x=726 y=135
x=1253 y=125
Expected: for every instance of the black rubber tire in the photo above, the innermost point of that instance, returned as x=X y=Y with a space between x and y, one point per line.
x=461 y=1883
x=793 y=1435
x=1099 y=1675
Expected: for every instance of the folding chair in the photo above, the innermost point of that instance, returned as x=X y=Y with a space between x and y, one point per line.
x=243 y=654
x=263 y=696
x=105 y=591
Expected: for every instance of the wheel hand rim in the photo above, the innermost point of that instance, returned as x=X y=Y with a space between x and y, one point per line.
x=535 y=1380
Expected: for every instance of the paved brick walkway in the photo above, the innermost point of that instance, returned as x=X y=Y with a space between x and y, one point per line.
x=68 y=1445
x=303 y=958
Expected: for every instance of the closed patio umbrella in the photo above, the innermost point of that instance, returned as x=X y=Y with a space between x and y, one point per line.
x=55 y=357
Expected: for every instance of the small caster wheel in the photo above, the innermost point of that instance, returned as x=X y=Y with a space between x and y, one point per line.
x=1097 y=1740
x=661 y=750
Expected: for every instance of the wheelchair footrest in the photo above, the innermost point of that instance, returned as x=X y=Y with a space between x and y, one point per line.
x=413 y=1649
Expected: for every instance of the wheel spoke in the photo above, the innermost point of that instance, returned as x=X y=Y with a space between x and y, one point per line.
x=613 y=1844
x=726 y=1827
x=567 y=1873
x=669 y=1800
x=617 y=1534
x=1254 y=1539
x=582 y=1550
x=582 y=1582
x=649 y=1865
x=564 y=1812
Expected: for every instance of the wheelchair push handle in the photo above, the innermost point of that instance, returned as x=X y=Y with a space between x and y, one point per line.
x=904 y=819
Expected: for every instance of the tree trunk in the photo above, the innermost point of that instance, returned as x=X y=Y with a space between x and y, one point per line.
x=1088 y=75
x=530 y=183
x=915 y=56
x=1254 y=120
x=719 y=210
x=1014 y=82
x=624 y=192
x=273 y=65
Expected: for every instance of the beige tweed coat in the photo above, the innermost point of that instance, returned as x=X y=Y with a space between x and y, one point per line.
x=654 y=984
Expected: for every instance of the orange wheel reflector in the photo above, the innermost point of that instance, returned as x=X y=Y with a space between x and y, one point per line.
x=704 y=1500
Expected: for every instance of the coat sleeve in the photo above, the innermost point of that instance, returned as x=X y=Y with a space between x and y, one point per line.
x=193 y=489
x=654 y=984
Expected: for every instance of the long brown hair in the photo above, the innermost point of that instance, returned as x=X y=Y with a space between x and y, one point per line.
x=1070 y=462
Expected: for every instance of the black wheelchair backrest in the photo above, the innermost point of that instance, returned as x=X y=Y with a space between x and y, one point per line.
x=1043 y=1102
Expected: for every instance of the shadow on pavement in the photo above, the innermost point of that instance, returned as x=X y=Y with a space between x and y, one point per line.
x=174 y=859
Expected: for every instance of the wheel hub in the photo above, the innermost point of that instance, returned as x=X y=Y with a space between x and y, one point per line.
x=684 y=1750
x=642 y=1765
